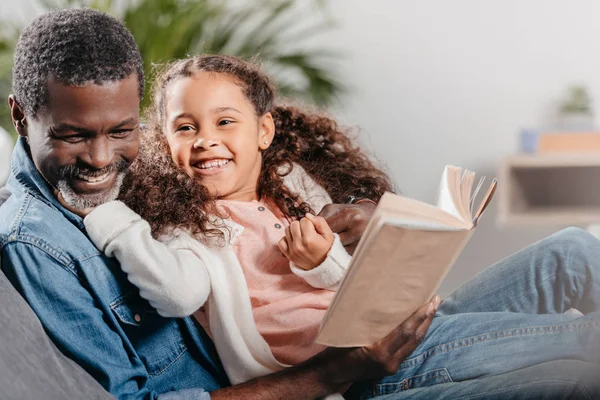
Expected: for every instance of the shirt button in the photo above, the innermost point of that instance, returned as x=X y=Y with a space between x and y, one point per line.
x=278 y=226
x=261 y=208
x=137 y=318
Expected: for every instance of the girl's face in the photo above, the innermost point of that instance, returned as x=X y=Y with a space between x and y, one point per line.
x=215 y=136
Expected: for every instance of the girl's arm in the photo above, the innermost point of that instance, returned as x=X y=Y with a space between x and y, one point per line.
x=171 y=275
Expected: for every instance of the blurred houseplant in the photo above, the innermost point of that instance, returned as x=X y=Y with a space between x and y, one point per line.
x=273 y=30
x=8 y=38
x=576 y=109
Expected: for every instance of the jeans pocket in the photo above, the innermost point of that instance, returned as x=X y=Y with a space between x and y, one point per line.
x=429 y=378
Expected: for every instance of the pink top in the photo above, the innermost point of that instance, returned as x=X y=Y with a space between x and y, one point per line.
x=287 y=310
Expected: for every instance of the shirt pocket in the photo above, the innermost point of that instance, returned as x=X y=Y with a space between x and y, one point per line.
x=158 y=341
x=429 y=378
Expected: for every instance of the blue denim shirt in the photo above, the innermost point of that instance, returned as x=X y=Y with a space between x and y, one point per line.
x=89 y=308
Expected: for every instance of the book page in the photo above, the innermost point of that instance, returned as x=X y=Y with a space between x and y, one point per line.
x=445 y=199
x=398 y=206
x=466 y=188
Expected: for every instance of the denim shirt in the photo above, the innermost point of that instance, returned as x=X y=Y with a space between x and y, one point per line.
x=89 y=308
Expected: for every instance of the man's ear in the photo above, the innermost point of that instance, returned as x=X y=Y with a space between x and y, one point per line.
x=266 y=131
x=18 y=116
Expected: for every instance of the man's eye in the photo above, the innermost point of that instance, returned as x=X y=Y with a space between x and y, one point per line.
x=73 y=139
x=121 y=133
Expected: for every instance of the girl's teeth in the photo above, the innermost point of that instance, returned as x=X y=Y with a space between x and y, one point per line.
x=214 y=164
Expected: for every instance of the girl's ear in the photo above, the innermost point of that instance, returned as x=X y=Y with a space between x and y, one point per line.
x=266 y=131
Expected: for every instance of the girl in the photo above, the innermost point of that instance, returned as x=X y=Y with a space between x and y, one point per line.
x=230 y=184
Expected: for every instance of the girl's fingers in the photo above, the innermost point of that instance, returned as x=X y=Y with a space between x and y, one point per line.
x=307 y=228
x=284 y=247
x=295 y=231
x=321 y=226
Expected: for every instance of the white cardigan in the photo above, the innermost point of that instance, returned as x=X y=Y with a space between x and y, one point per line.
x=178 y=274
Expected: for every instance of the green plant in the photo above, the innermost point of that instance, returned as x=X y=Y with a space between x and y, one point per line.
x=273 y=31
x=578 y=101
x=8 y=39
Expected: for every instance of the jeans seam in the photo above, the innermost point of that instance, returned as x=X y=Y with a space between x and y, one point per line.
x=525 y=385
x=484 y=337
x=185 y=349
x=439 y=375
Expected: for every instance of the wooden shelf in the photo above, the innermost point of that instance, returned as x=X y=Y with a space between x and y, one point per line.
x=550 y=190
x=553 y=161
x=552 y=216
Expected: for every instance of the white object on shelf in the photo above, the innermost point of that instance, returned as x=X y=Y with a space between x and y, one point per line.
x=594 y=229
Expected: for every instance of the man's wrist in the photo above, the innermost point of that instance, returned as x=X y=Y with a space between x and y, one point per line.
x=359 y=200
x=330 y=369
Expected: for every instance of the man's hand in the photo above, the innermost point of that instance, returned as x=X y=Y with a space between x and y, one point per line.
x=383 y=358
x=307 y=242
x=349 y=221
x=82 y=212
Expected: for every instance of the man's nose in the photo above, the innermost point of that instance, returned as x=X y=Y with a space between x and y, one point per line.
x=99 y=153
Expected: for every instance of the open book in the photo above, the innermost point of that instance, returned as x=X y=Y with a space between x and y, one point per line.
x=404 y=254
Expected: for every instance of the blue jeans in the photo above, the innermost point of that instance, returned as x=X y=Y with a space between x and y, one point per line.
x=504 y=332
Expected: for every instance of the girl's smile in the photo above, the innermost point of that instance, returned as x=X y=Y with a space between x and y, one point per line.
x=211 y=166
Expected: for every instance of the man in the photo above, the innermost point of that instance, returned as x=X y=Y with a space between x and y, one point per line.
x=78 y=82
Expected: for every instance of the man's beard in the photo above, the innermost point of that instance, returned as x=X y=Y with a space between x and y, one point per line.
x=82 y=201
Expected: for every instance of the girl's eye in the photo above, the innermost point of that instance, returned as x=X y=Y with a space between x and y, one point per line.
x=225 y=122
x=184 y=128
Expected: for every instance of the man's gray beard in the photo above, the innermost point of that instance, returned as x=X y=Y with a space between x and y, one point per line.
x=91 y=200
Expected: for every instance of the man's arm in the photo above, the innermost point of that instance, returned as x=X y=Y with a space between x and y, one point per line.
x=333 y=369
x=76 y=322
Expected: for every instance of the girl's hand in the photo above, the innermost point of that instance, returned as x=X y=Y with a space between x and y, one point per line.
x=81 y=212
x=307 y=242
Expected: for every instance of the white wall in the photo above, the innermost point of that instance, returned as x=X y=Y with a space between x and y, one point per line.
x=452 y=82
x=19 y=12
x=438 y=81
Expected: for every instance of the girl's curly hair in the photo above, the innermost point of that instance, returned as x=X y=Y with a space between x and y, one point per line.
x=167 y=197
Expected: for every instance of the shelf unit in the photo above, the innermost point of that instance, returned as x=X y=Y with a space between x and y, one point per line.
x=557 y=189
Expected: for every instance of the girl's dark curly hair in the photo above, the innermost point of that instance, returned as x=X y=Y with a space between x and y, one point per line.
x=166 y=197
